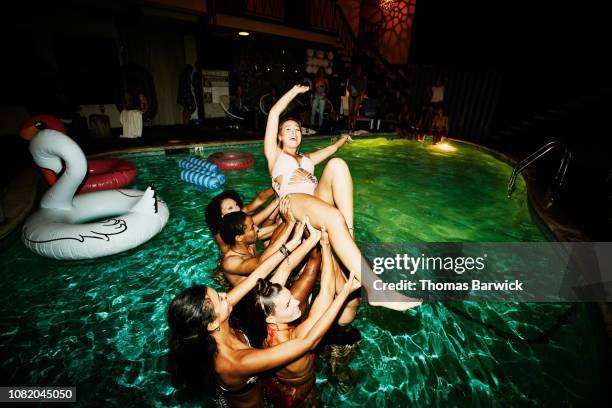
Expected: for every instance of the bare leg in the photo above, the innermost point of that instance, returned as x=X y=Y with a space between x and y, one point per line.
x=347 y=315
x=336 y=188
x=321 y=213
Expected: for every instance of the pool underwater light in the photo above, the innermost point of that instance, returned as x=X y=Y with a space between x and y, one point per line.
x=444 y=146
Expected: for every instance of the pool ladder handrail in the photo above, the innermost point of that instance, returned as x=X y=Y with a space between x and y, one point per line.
x=560 y=176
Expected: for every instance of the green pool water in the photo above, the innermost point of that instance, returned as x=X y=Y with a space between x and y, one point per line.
x=100 y=324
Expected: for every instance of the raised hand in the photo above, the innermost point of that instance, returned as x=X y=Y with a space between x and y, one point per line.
x=298 y=232
x=351 y=284
x=276 y=185
x=301 y=88
x=315 y=234
x=285 y=209
x=324 y=236
x=348 y=137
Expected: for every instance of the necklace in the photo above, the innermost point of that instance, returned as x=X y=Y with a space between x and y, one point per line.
x=241 y=253
x=287 y=327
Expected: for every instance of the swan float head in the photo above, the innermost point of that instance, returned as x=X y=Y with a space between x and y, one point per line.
x=49 y=148
x=34 y=124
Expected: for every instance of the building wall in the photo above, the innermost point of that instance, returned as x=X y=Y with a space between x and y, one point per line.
x=352 y=10
x=62 y=58
x=395 y=19
x=194 y=6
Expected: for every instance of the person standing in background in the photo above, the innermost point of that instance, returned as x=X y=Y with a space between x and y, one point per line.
x=357 y=89
x=437 y=93
x=185 y=96
x=320 y=90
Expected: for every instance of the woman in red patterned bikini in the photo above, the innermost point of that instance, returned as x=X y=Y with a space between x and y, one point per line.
x=292 y=384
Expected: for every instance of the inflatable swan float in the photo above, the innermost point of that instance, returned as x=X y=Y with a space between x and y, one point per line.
x=87 y=225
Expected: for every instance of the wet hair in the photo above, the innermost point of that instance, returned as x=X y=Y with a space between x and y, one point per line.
x=265 y=292
x=213 y=209
x=232 y=224
x=281 y=122
x=190 y=361
x=284 y=119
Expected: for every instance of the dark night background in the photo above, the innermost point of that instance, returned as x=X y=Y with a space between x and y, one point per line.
x=554 y=65
x=519 y=75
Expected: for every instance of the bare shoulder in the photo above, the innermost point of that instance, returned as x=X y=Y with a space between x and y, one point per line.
x=225 y=365
x=231 y=261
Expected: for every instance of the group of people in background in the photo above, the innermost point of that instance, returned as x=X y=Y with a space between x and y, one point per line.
x=257 y=341
x=386 y=102
x=431 y=121
x=315 y=109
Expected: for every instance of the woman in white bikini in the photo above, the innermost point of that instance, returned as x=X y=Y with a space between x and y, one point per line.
x=327 y=202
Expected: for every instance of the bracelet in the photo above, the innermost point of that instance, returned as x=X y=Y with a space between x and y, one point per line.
x=285 y=251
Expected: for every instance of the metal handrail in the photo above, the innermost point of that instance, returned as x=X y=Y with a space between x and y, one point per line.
x=560 y=176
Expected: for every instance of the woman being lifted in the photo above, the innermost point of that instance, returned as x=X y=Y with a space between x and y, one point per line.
x=328 y=201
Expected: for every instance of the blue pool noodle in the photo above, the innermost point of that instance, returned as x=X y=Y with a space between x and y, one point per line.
x=185 y=165
x=195 y=162
x=201 y=179
x=201 y=163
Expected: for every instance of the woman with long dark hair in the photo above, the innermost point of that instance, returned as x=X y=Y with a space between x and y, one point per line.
x=207 y=351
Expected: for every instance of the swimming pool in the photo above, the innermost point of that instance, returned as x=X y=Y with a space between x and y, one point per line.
x=100 y=324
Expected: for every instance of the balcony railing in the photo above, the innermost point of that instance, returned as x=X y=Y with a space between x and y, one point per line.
x=271 y=9
x=323 y=16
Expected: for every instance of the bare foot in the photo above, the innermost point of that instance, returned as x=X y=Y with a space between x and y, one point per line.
x=395 y=300
x=399 y=306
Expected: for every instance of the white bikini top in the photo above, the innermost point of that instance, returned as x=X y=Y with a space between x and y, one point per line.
x=301 y=182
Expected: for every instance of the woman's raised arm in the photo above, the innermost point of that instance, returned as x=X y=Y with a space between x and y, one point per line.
x=253 y=361
x=282 y=273
x=262 y=271
x=322 y=154
x=261 y=216
x=326 y=292
x=271 y=148
x=258 y=201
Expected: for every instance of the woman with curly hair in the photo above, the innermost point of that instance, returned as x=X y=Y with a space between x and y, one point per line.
x=229 y=201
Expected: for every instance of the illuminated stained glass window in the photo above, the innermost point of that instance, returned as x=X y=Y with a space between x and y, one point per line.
x=395 y=18
x=386 y=4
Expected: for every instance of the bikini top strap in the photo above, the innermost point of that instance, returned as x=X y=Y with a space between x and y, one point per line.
x=271 y=334
x=245 y=337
